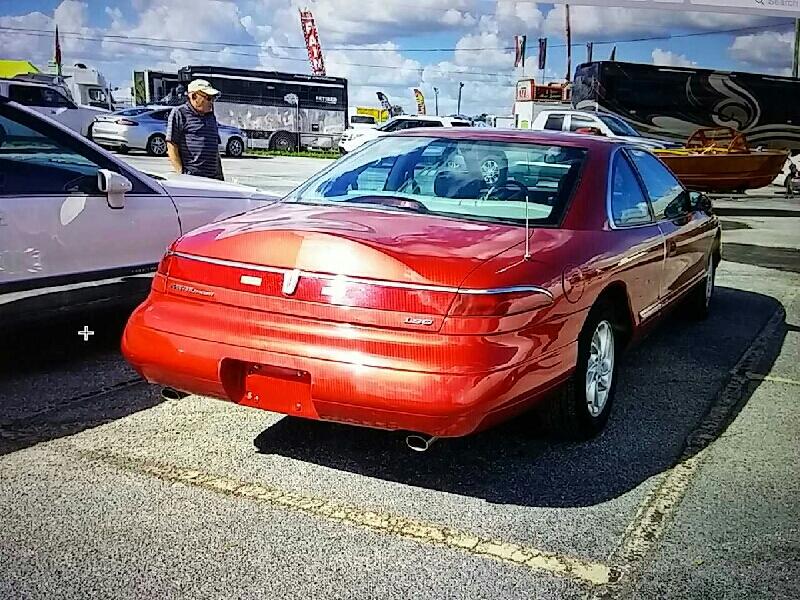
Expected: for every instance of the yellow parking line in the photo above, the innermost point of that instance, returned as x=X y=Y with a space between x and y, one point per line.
x=771 y=378
x=565 y=566
x=657 y=510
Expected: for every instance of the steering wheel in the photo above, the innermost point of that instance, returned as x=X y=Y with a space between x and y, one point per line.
x=402 y=203
x=506 y=187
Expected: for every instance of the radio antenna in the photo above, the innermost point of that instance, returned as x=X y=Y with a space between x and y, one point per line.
x=527 y=230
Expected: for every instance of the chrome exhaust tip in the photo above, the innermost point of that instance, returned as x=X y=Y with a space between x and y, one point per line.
x=169 y=393
x=420 y=443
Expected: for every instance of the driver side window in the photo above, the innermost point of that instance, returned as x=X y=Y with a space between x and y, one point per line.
x=34 y=164
x=628 y=203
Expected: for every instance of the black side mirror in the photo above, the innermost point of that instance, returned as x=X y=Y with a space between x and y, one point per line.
x=698 y=201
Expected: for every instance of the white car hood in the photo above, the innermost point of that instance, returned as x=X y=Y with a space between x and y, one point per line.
x=200 y=200
x=189 y=185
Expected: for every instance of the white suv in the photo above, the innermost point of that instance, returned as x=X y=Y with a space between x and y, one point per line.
x=51 y=102
x=354 y=138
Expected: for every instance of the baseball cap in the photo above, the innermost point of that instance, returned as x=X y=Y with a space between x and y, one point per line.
x=201 y=85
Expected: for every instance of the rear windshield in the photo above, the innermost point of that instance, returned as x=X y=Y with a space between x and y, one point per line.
x=462 y=179
x=131 y=112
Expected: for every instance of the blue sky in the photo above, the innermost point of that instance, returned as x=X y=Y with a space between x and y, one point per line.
x=373 y=47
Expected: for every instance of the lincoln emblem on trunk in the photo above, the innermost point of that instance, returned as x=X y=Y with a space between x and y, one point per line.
x=290 y=281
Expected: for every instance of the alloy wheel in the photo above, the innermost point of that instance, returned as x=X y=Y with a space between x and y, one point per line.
x=600 y=368
x=235 y=147
x=490 y=171
x=158 y=146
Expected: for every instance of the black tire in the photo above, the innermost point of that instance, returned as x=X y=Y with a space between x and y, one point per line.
x=567 y=414
x=157 y=145
x=235 y=147
x=698 y=303
x=283 y=140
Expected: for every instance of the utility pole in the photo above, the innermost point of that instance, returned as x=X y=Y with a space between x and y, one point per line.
x=796 y=50
x=458 y=110
x=569 y=46
x=436 y=99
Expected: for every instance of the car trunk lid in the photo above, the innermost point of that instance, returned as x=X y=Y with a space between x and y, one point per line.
x=347 y=264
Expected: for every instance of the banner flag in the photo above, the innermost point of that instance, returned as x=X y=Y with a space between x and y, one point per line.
x=542 y=53
x=420 y=101
x=520 y=41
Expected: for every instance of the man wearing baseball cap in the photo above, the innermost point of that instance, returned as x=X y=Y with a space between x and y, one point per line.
x=192 y=133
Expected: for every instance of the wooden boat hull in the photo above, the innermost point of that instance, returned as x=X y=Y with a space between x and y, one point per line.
x=725 y=172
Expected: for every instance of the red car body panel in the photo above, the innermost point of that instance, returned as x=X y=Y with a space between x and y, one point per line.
x=382 y=319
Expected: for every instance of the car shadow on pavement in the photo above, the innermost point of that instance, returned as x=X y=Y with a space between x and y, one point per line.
x=54 y=384
x=782 y=259
x=667 y=384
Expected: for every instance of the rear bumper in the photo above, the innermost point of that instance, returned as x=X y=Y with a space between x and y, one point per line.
x=347 y=391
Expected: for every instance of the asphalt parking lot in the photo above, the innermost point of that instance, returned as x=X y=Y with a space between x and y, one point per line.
x=106 y=490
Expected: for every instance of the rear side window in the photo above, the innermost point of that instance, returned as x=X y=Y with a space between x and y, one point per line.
x=578 y=122
x=160 y=115
x=628 y=202
x=131 y=112
x=462 y=124
x=554 y=122
x=28 y=95
x=667 y=195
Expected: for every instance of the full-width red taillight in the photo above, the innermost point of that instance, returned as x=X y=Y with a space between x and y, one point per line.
x=499 y=303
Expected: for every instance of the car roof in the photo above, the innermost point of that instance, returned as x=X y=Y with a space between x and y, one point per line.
x=428 y=118
x=513 y=135
x=27 y=82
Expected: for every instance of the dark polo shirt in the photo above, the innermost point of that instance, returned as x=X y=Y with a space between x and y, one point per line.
x=197 y=138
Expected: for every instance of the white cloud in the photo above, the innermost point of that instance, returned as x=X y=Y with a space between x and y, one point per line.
x=38 y=42
x=770 y=49
x=603 y=22
x=361 y=41
x=667 y=58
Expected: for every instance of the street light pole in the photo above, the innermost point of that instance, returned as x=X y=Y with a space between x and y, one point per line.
x=436 y=99
x=460 y=85
x=796 y=49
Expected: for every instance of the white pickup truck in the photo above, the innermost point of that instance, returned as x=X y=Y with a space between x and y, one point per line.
x=603 y=123
x=50 y=101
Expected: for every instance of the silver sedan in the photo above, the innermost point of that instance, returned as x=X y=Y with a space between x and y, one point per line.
x=144 y=128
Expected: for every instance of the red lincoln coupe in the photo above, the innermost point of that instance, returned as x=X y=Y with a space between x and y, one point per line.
x=435 y=281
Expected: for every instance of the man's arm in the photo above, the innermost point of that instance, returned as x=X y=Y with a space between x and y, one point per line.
x=174 y=157
x=174 y=134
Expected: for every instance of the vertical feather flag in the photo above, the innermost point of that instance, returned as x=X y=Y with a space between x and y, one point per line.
x=420 y=101
x=520 y=42
x=542 y=53
x=384 y=100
